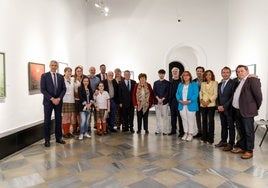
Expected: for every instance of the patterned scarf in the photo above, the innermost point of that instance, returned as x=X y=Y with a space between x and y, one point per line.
x=143 y=95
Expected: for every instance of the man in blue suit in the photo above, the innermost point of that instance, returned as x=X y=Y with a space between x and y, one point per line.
x=224 y=105
x=53 y=89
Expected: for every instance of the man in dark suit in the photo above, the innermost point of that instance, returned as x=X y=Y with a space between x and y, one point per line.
x=224 y=105
x=111 y=86
x=53 y=89
x=126 y=87
x=199 y=79
x=247 y=100
x=102 y=75
x=173 y=103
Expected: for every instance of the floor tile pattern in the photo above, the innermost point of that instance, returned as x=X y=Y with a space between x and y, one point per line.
x=134 y=161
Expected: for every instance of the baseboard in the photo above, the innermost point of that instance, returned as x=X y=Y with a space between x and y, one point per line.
x=14 y=142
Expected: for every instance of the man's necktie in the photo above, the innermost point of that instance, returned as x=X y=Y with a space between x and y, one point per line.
x=128 y=85
x=222 y=86
x=55 y=83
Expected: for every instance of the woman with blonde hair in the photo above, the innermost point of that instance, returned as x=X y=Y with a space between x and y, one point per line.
x=208 y=95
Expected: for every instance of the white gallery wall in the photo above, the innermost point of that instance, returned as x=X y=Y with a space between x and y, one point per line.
x=248 y=40
x=138 y=35
x=145 y=35
x=36 y=31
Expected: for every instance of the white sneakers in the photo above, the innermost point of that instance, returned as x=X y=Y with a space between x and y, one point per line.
x=187 y=137
x=87 y=135
x=184 y=137
x=81 y=136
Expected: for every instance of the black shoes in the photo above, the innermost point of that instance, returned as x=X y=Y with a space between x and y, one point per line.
x=132 y=130
x=171 y=133
x=113 y=130
x=138 y=132
x=146 y=132
x=47 y=144
x=198 y=135
x=60 y=141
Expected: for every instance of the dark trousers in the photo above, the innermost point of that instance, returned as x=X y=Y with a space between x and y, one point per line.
x=227 y=127
x=175 y=116
x=208 y=114
x=128 y=117
x=142 y=116
x=198 y=121
x=47 y=121
x=111 y=119
x=245 y=127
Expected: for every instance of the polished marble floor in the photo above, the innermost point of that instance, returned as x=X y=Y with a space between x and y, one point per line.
x=134 y=161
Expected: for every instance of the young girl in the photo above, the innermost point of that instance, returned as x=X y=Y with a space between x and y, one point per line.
x=68 y=107
x=102 y=105
x=85 y=100
x=78 y=76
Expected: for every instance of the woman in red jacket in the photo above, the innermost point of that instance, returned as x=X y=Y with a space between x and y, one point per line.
x=143 y=99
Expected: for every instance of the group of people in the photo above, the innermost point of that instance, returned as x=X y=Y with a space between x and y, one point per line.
x=110 y=100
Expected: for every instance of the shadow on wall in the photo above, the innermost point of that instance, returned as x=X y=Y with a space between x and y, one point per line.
x=175 y=64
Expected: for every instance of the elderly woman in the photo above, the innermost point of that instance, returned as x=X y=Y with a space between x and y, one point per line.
x=143 y=99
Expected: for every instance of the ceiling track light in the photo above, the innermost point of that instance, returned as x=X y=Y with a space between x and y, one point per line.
x=102 y=6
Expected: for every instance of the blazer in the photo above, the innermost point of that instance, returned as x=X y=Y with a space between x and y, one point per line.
x=225 y=99
x=83 y=97
x=115 y=85
x=192 y=95
x=99 y=76
x=250 y=97
x=47 y=87
x=209 y=93
x=124 y=95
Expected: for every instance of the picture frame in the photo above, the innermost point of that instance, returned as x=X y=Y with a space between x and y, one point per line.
x=131 y=75
x=2 y=76
x=35 y=71
x=252 y=69
x=61 y=67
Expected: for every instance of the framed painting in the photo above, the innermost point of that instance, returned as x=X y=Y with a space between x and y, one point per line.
x=62 y=67
x=35 y=72
x=2 y=76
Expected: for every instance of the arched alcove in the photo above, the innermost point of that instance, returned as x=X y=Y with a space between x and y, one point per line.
x=185 y=57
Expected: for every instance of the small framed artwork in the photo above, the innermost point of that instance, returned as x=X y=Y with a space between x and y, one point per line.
x=131 y=75
x=252 y=69
x=62 y=67
x=35 y=72
x=2 y=76
x=233 y=74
